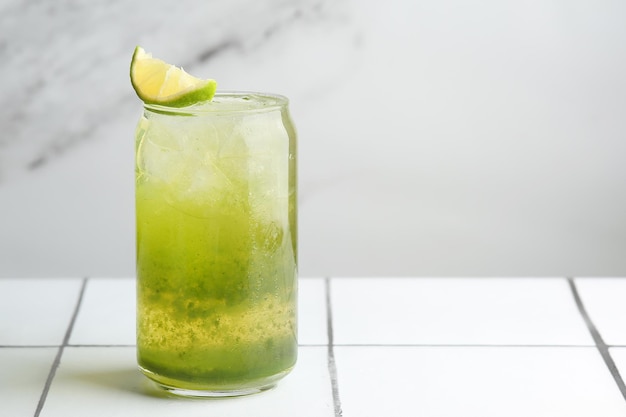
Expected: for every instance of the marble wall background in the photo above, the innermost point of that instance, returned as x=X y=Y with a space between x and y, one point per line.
x=436 y=137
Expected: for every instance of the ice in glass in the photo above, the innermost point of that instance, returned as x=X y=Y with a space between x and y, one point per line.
x=216 y=244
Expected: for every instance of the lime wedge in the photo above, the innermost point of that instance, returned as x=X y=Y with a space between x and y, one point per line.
x=157 y=82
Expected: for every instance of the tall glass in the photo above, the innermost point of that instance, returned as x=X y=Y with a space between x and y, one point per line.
x=217 y=245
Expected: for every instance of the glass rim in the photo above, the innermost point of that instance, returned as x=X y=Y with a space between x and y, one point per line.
x=203 y=108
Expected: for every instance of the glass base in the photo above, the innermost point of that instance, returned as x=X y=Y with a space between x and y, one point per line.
x=256 y=387
x=182 y=392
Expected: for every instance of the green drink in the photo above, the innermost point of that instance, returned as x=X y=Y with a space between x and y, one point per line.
x=216 y=244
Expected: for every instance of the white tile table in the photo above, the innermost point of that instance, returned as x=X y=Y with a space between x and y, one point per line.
x=368 y=347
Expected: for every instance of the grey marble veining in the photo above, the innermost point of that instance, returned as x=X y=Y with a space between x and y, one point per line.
x=436 y=137
x=65 y=64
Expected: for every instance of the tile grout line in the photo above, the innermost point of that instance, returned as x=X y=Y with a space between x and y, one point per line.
x=57 y=359
x=27 y=346
x=95 y=345
x=462 y=345
x=121 y=345
x=597 y=338
x=332 y=367
x=306 y=345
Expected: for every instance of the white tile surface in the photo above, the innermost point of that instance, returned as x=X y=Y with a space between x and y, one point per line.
x=605 y=301
x=312 y=327
x=107 y=313
x=524 y=311
x=99 y=381
x=36 y=311
x=475 y=382
x=23 y=374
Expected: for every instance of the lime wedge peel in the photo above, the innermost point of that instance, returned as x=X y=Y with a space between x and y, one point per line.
x=157 y=82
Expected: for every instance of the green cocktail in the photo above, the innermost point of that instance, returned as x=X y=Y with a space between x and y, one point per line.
x=216 y=244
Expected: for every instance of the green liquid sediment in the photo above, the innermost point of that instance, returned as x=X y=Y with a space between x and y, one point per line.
x=216 y=263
